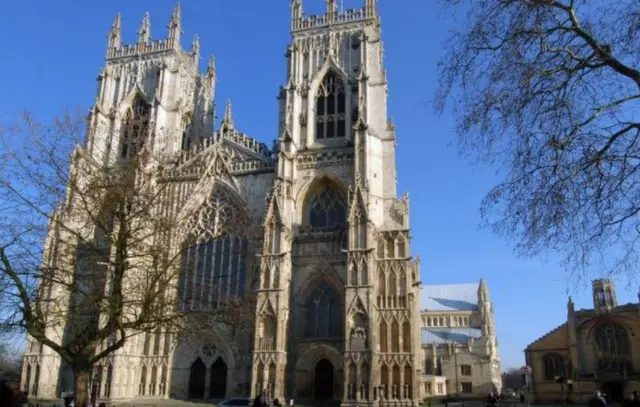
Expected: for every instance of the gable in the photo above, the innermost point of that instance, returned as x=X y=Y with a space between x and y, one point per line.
x=449 y=297
x=553 y=340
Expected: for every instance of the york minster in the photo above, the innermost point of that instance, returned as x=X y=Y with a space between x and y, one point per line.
x=312 y=227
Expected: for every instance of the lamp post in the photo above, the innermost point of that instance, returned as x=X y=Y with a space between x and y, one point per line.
x=563 y=382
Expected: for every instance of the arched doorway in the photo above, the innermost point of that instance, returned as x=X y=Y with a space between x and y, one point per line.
x=196 y=379
x=323 y=380
x=218 y=379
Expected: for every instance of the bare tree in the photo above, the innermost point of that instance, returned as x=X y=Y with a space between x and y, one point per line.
x=109 y=267
x=512 y=379
x=9 y=365
x=549 y=90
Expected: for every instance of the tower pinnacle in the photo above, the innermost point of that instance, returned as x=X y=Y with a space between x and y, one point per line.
x=175 y=25
x=211 y=66
x=195 y=46
x=331 y=6
x=227 y=120
x=144 y=33
x=115 y=34
x=296 y=9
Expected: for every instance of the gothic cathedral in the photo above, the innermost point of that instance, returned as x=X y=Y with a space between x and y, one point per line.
x=337 y=305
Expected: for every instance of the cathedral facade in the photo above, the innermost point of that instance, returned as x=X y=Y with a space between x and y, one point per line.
x=337 y=292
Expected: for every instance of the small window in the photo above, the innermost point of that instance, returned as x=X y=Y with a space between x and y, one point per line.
x=440 y=388
x=467 y=387
x=465 y=370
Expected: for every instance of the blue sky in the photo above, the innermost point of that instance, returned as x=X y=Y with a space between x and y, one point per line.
x=53 y=52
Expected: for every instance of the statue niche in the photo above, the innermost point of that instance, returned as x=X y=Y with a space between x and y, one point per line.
x=358 y=328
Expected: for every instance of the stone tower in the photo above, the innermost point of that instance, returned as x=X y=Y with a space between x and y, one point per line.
x=604 y=295
x=150 y=95
x=337 y=310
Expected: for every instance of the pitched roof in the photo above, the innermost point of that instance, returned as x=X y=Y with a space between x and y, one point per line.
x=449 y=297
x=448 y=335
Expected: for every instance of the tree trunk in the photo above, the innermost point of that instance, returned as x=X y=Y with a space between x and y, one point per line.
x=81 y=394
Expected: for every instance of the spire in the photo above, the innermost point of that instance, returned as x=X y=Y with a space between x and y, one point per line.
x=175 y=25
x=195 y=47
x=211 y=67
x=227 y=120
x=331 y=6
x=570 y=306
x=144 y=33
x=296 y=9
x=370 y=7
x=115 y=34
x=483 y=291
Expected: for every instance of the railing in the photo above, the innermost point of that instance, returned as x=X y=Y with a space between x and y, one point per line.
x=392 y=301
x=266 y=344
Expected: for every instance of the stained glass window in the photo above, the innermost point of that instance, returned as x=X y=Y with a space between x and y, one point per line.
x=323 y=313
x=135 y=128
x=553 y=366
x=214 y=267
x=612 y=348
x=330 y=108
x=327 y=209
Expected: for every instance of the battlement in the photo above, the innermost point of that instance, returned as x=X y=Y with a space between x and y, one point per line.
x=116 y=49
x=332 y=18
x=128 y=50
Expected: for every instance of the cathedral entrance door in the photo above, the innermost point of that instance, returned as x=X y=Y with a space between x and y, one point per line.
x=218 y=379
x=196 y=379
x=614 y=391
x=323 y=380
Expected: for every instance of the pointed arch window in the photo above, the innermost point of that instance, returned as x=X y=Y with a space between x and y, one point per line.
x=331 y=108
x=612 y=348
x=135 y=129
x=327 y=209
x=323 y=313
x=553 y=366
x=214 y=263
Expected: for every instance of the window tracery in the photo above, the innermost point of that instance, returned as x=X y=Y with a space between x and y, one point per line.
x=612 y=348
x=327 y=209
x=135 y=128
x=553 y=366
x=323 y=313
x=331 y=108
x=214 y=259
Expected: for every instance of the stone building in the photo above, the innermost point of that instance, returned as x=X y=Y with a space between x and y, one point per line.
x=459 y=344
x=596 y=349
x=338 y=311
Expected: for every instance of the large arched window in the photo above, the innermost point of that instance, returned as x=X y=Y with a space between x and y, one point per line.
x=135 y=128
x=327 y=209
x=214 y=263
x=553 y=366
x=612 y=348
x=323 y=313
x=331 y=108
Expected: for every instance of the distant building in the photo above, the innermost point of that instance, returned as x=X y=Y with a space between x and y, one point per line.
x=596 y=349
x=459 y=345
